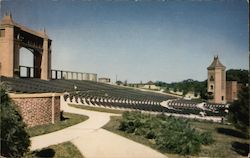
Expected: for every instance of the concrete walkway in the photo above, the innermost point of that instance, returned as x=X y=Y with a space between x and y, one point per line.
x=93 y=141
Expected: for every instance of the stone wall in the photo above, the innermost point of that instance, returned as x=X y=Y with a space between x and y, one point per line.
x=38 y=109
x=232 y=91
x=57 y=109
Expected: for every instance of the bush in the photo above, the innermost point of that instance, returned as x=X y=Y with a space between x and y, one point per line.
x=130 y=122
x=206 y=138
x=151 y=134
x=170 y=134
x=239 y=111
x=179 y=138
x=14 y=139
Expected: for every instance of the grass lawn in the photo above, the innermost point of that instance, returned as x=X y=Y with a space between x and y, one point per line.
x=99 y=109
x=229 y=142
x=63 y=150
x=69 y=119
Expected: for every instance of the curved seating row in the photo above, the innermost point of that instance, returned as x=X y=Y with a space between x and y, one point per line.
x=100 y=94
x=208 y=109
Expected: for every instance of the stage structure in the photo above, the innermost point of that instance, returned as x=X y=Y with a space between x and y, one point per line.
x=12 y=38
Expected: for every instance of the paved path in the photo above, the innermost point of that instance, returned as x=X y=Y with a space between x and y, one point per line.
x=93 y=141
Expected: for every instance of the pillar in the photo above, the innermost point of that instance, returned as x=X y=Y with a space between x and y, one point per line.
x=16 y=72
x=7 y=51
x=37 y=64
x=45 y=66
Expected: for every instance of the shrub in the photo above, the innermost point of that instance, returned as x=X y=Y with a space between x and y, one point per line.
x=170 y=134
x=14 y=139
x=150 y=134
x=206 y=138
x=131 y=122
x=181 y=141
x=239 y=111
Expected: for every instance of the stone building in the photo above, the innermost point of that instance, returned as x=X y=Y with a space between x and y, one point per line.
x=149 y=85
x=219 y=90
x=233 y=89
x=216 y=83
x=104 y=80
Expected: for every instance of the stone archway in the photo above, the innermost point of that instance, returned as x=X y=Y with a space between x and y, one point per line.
x=26 y=63
x=29 y=63
x=13 y=37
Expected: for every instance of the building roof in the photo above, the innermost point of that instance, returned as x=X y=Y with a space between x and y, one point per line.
x=150 y=83
x=216 y=64
x=105 y=78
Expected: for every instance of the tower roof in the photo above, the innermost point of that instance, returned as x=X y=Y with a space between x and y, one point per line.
x=216 y=64
x=7 y=19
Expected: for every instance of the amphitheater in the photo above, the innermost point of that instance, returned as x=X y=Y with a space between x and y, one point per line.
x=41 y=95
x=37 y=90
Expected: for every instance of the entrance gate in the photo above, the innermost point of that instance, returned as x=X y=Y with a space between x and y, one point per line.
x=13 y=37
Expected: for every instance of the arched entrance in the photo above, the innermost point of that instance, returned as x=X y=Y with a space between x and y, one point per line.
x=15 y=38
x=29 y=63
x=26 y=63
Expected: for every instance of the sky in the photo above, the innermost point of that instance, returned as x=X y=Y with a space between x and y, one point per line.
x=138 y=40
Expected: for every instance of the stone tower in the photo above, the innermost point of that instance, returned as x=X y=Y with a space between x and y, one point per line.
x=216 y=82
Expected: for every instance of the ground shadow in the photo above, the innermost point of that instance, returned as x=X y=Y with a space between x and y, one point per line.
x=232 y=132
x=48 y=152
x=62 y=118
x=240 y=148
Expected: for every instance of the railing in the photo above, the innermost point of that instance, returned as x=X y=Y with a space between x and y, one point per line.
x=33 y=72
x=60 y=74
x=29 y=72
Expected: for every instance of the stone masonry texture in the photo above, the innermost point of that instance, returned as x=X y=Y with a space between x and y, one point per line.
x=38 y=111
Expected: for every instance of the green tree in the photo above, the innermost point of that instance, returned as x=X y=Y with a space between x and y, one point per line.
x=119 y=82
x=190 y=85
x=239 y=111
x=241 y=76
x=14 y=139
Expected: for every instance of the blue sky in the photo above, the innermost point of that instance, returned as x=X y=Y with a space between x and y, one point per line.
x=139 y=41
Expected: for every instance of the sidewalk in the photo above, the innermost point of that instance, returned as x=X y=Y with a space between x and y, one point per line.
x=93 y=141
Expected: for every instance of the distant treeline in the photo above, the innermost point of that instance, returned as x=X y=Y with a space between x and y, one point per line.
x=241 y=76
x=200 y=87
x=189 y=85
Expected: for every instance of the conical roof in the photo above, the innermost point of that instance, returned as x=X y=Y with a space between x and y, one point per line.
x=216 y=64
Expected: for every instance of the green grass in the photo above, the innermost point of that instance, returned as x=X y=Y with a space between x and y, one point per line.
x=229 y=142
x=63 y=150
x=225 y=136
x=68 y=120
x=99 y=109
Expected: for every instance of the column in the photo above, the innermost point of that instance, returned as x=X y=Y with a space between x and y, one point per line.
x=45 y=60
x=16 y=72
x=37 y=64
x=7 y=58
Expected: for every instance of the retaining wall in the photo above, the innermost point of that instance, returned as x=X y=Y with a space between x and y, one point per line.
x=38 y=109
